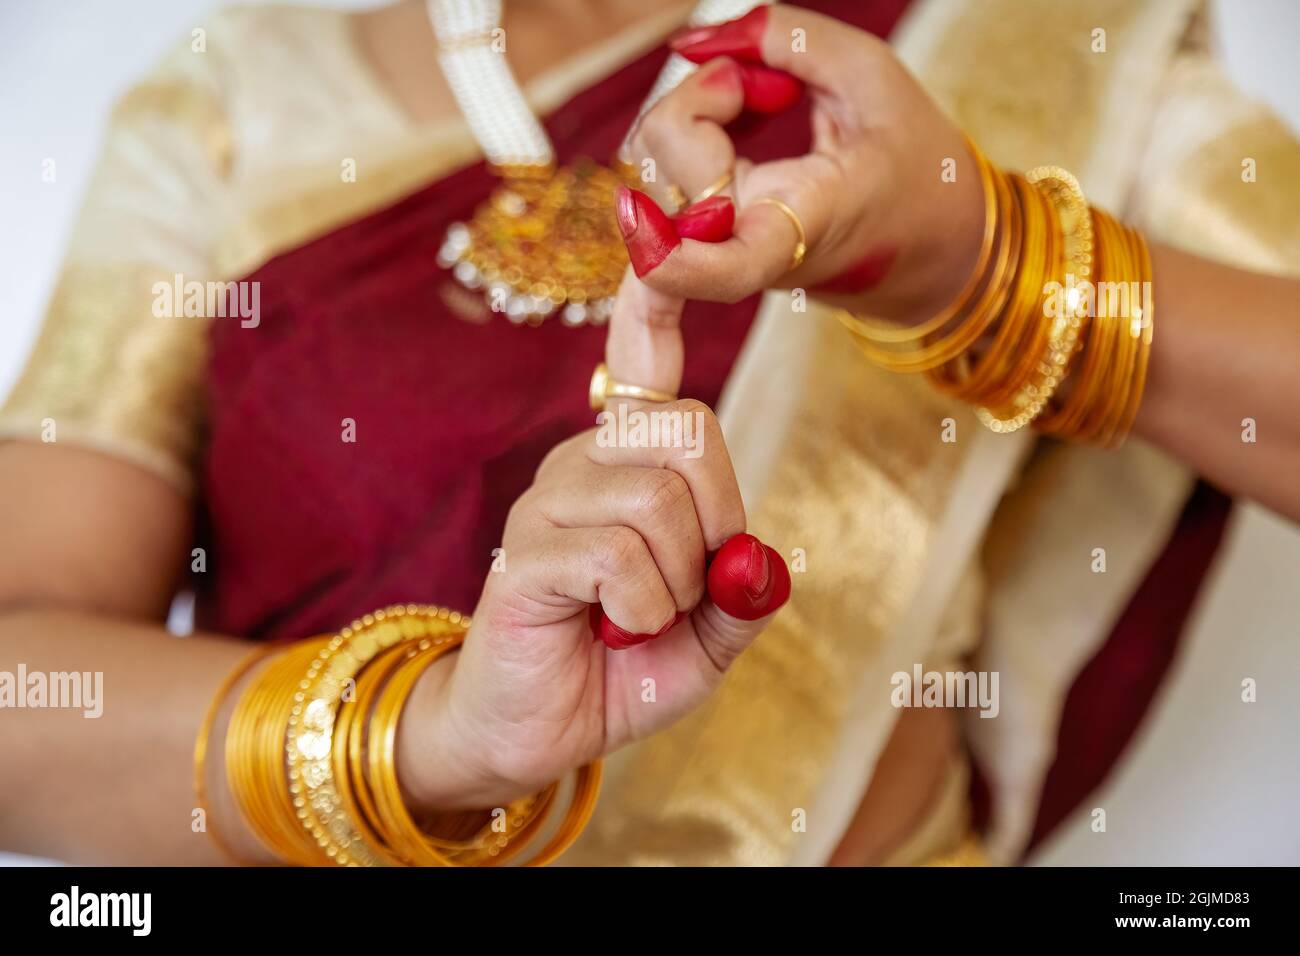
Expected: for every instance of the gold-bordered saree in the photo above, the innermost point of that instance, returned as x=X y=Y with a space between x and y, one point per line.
x=910 y=548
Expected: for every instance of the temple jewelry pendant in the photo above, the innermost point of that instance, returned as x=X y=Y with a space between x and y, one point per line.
x=545 y=242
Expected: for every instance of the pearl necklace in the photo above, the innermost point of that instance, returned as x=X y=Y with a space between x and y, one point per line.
x=546 y=240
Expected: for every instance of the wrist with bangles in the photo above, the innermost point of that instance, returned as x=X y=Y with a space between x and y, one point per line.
x=1054 y=325
x=311 y=756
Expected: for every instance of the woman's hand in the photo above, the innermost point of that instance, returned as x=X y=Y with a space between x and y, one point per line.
x=601 y=625
x=886 y=233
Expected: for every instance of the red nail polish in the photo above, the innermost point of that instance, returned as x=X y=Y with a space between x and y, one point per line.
x=617 y=638
x=780 y=580
x=724 y=76
x=625 y=208
x=747 y=579
x=709 y=221
x=742 y=39
x=768 y=90
x=648 y=232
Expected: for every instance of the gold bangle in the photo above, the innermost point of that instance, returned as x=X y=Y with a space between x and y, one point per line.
x=1063 y=330
x=1077 y=418
x=313 y=769
x=349 y=741
x=677 y=197
x=405 y=836
x=201 y=748
x=255 y=756
x=1119 y=379
x=1038 y=229
x=1127 y=376
x=309 y=739
x=1145 y=334
x=582 y=804
x=415 y=844
x=990 y=289
x=351 y=747
x=401 y=831
x=801 y=242
x=878 y=332
x=1031 y=343
x=972 y=382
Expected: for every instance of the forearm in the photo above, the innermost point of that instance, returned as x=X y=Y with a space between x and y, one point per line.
x=117 y=787
x=111 y=780
x=1226 y=349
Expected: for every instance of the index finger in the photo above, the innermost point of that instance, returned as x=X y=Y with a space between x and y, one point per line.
x=644 y=345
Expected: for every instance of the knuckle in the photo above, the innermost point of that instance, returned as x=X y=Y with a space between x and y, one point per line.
x=661 y=493
x=692 y=406
x=762 y=274
x=560 y=454
x=616 y=550
x=708 y=419
x=700 y=430
x=654 y=127
x=661 y=314
x=522 y=508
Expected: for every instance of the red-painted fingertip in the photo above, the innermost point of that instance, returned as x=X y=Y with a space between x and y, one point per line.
x=620 y=639
x=747 y=579
x=625 y=210
x=741 y=38
x=768 y=90
x=780 y=580
x=711 y=220
x=647 y=231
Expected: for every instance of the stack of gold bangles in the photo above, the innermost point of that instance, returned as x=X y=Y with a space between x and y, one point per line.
x=1053 y=327
x=310 y=756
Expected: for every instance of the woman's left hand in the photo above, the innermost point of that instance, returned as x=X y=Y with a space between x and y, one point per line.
x=606 y=620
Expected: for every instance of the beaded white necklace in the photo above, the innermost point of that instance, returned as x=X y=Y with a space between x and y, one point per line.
x=546 y=240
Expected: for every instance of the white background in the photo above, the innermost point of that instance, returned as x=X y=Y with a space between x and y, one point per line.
x=1211 y=780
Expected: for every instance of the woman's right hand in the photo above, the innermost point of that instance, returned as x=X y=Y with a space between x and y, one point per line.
x=888 y=233
x=535 y=692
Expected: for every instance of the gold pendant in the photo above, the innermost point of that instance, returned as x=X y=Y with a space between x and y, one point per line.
x=545 y=241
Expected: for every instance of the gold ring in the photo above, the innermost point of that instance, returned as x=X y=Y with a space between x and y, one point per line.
x=801 y=246
x=715 y=187
x=604 y=387
x=677 y=196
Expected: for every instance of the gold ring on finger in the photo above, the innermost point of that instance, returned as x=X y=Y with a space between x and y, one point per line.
x=604 y=387
x=801 y=244
x=676 y=196
x=715 y=187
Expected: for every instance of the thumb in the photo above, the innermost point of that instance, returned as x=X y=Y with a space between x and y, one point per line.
x=748 y=581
